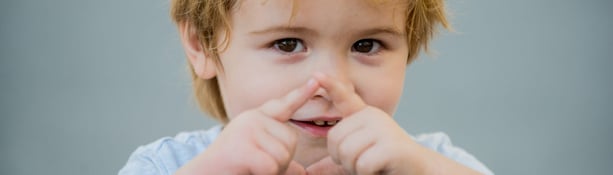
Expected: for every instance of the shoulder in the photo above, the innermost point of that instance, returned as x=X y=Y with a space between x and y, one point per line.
x=166 y=155
x=441 y=143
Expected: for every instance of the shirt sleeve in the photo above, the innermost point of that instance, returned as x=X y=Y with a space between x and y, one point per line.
x=168 y=154
x=441 y=143
x=141 y=163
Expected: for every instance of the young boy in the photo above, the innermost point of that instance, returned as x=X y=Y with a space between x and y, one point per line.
x=303 y=87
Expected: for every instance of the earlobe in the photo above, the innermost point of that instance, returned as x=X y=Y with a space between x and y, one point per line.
x=203 y=65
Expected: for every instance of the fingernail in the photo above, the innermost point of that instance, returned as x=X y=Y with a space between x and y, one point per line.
x=311 y=82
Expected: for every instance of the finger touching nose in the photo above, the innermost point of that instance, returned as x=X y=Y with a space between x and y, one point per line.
x=282 y=109
x=342 y=95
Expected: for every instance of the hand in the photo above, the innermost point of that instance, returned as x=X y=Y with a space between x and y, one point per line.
x=367 y=140
x=326 y=166
x=256 y=141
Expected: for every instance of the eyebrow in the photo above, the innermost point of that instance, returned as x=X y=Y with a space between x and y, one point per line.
x=307 y=31
x=384 y=30
x=285 y=29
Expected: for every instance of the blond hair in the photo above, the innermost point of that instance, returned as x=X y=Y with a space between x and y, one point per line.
x=208 y=17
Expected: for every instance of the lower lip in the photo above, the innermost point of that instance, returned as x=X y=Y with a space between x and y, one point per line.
x=314 y=130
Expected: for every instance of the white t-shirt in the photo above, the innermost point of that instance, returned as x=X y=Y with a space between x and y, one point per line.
x=168 y=154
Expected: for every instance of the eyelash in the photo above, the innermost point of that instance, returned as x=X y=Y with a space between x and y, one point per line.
x=377 y=45
x=299 y=44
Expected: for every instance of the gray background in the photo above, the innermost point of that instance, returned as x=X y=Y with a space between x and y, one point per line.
x=523 y=85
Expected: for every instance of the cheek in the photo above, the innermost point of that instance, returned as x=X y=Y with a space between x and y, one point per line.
x=248 y=87
x=250 y=78
x=381 y=89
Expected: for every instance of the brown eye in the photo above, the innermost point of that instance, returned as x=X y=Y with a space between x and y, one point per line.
x=368 y=46
x=290 y=45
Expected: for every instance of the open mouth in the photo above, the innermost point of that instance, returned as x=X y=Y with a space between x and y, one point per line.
x=316 y=128
x=320 y=122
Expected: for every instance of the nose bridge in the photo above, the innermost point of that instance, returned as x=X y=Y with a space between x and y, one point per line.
x=333 y=64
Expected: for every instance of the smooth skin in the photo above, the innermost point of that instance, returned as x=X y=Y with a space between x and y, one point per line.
x=368 y=141
x=256 y=142
x=352 y=52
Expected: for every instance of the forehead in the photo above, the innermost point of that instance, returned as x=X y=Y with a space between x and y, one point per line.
x=325 y=15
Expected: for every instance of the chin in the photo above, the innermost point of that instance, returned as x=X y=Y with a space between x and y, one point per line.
x=310 y=149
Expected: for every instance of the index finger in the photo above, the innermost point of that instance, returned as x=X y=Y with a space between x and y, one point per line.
x=343 y=97
x=282 y=109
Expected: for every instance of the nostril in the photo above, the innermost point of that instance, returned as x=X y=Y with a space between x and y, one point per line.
x=319 y=98
x=321 y=93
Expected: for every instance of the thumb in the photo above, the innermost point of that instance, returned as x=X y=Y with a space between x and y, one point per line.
x=294 y=168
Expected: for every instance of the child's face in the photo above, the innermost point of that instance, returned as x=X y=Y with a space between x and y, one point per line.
x=360 y=43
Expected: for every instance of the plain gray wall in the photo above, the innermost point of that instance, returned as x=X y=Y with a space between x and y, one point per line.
x=523 y=85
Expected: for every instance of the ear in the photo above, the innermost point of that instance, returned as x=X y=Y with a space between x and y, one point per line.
x=203 y=65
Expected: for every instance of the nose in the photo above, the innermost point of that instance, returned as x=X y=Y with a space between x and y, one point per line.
x=336 y=66
x=322 y=93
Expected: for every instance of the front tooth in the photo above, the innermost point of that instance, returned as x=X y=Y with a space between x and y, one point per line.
x=331 y=122
x=319 y=122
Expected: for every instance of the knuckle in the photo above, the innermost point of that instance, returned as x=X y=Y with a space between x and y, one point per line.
x=343 y=153
x=284 y=156
x=274 y=169
x=265 y=165
x=364 y=169
x=347 y=163
x=365 y=165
